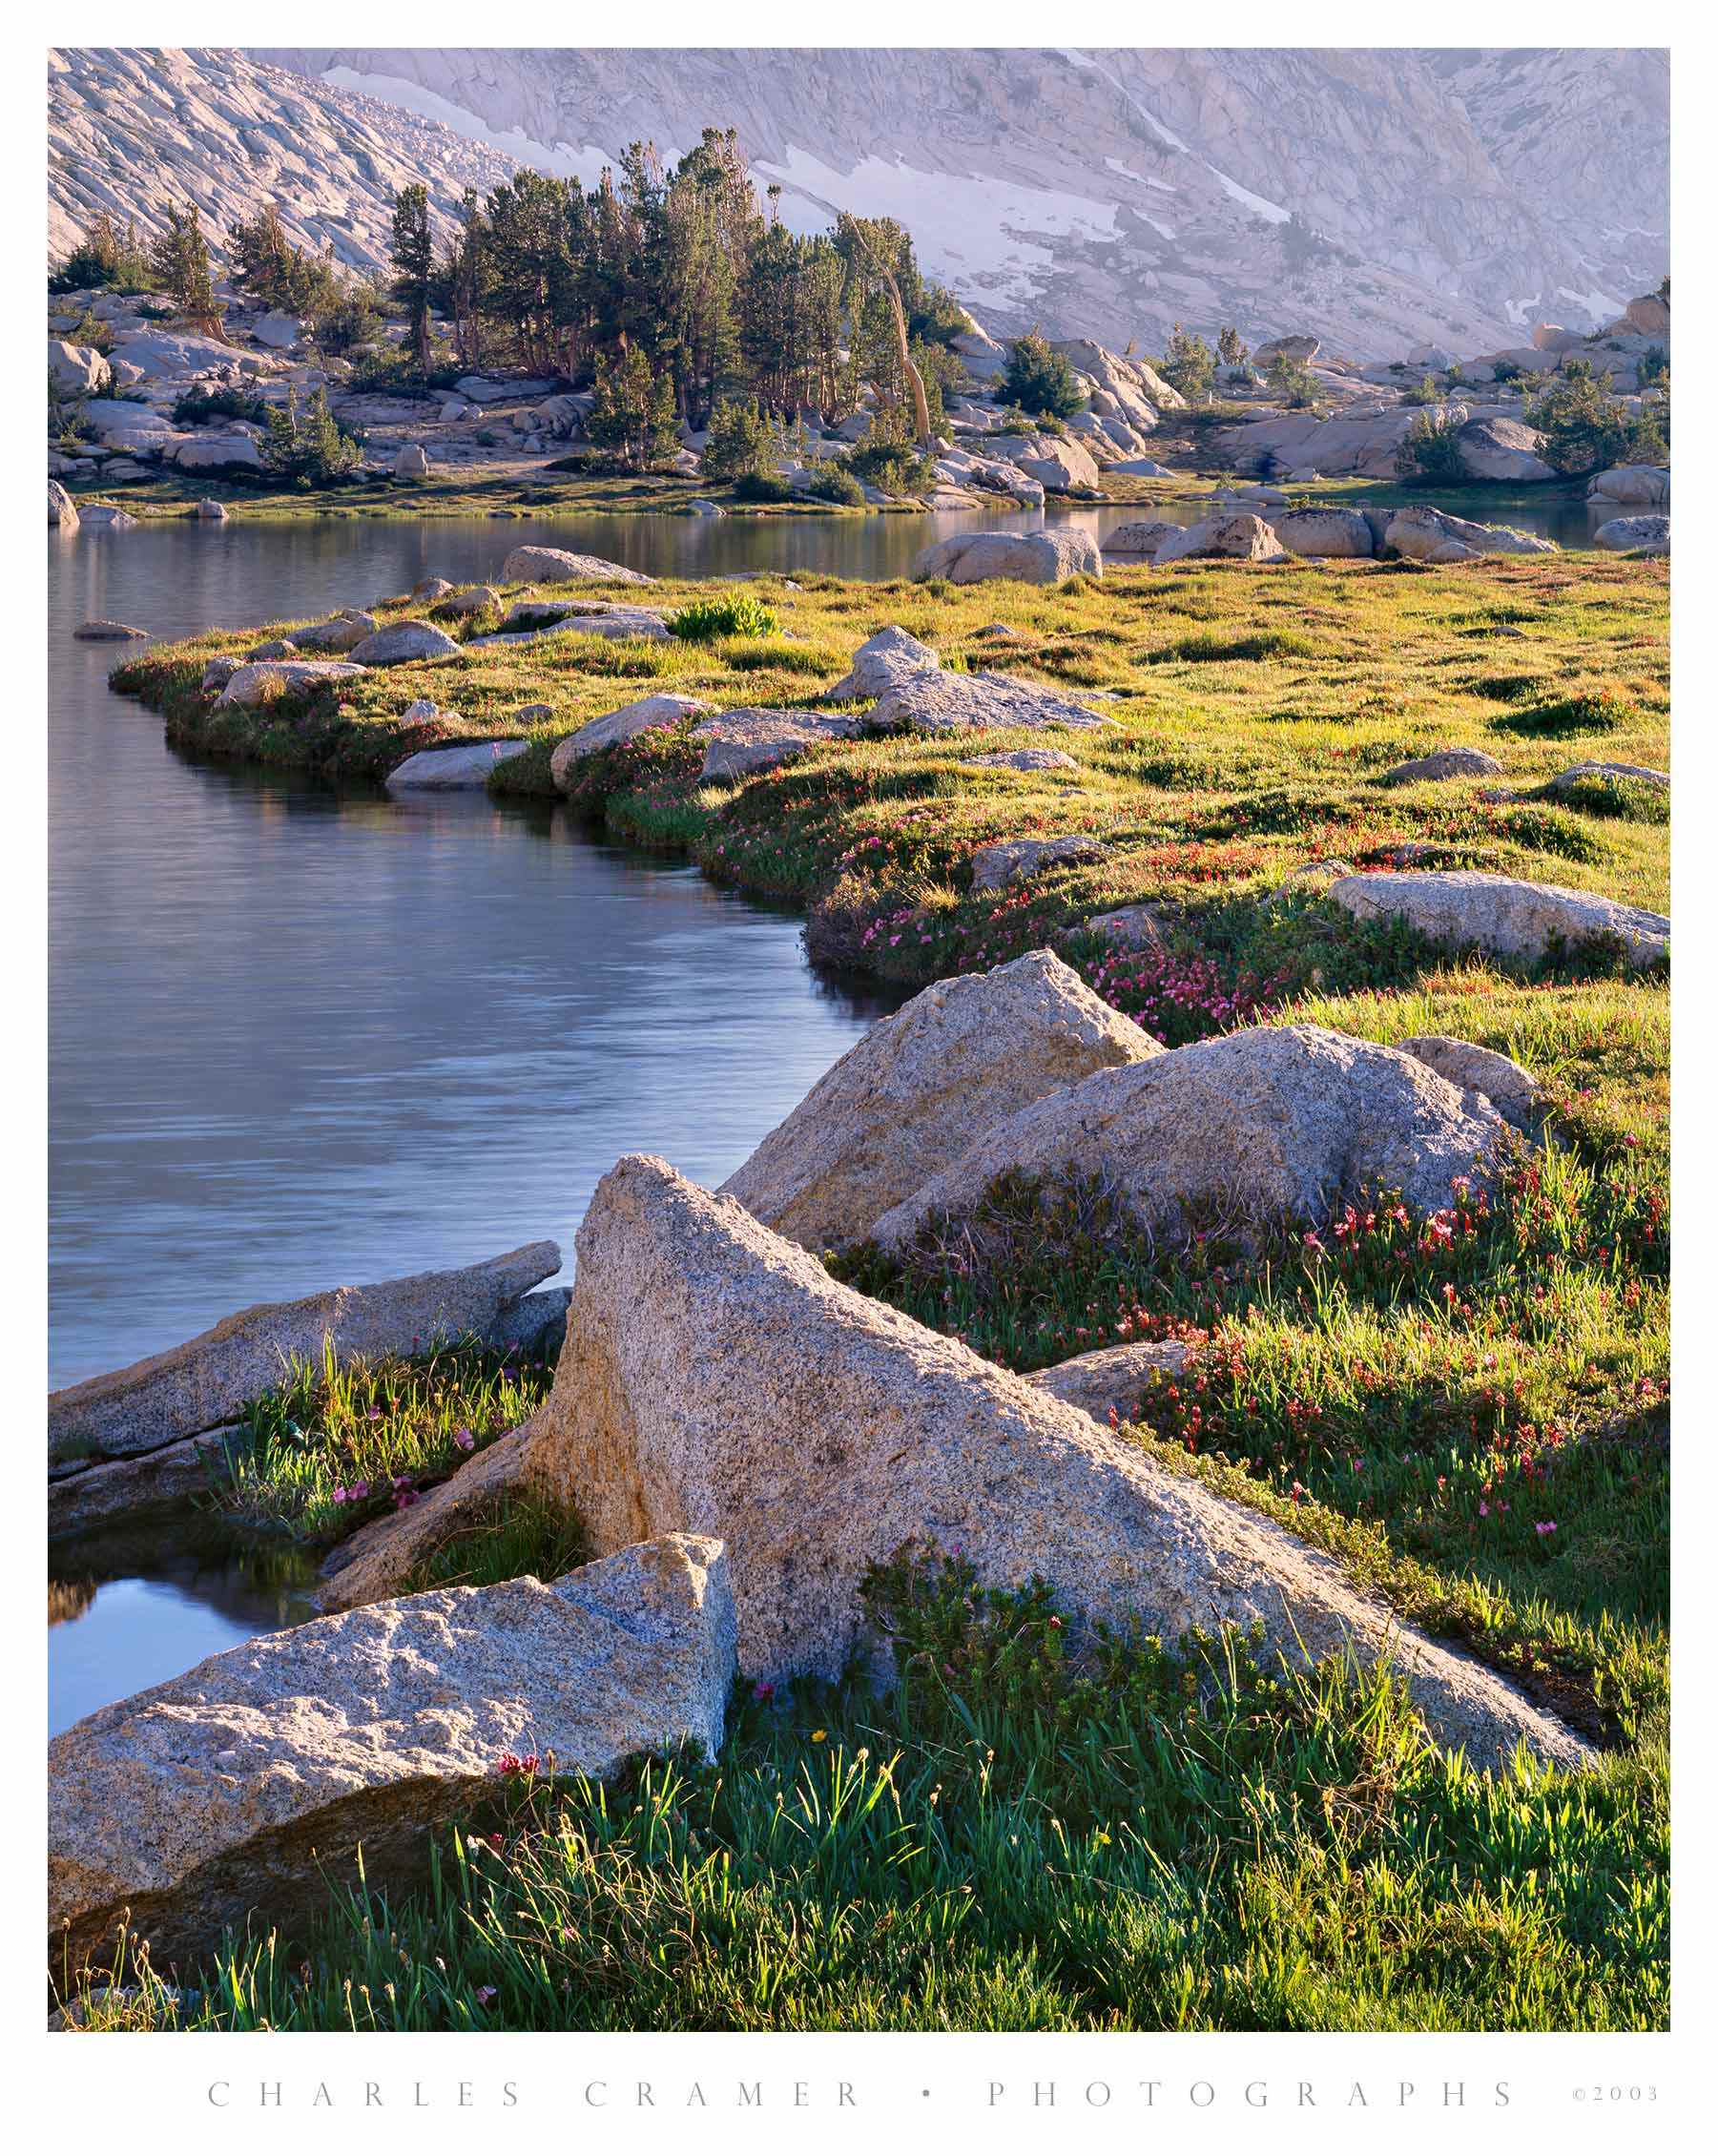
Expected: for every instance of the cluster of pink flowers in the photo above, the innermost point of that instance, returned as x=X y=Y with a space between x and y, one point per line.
x=353 y=1492
x=518 y=1763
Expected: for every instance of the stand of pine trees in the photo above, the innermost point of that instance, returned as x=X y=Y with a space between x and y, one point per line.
x=675 y=292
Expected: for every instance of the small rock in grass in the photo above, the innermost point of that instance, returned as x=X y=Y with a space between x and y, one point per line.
x=1444 y=763
x=1021 y=759
x=1513 y=1091
x=1468 y=909
x=1013 y=860
x=401 y=641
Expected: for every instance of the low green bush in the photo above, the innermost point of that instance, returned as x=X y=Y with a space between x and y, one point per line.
x=707 y=619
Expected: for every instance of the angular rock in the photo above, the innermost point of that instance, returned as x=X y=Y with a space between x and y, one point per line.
x=1273 y=1123
x=737 y=743
x=1442 y=763
x=461 y=767
x=1319 y=532
x=715 y=1379
x=1285 y=348
x=554 y=564
x=1035 y=557
x=411 y=463
x=911 y=1096
x=477 y=598
x=429 y=589
x=1468 y=909
x=958 y=703
x=1635 y=535
x=617 y=726
x=218 y=452
x=1513 y=1091
x=261 y=681
x=617 y=622
x=245 y=1788
x=1642 y=774
x=153 y=1481
x=404 y=640
x=1014 y=861
x=206 y=1380
x=276 y=647
x=1115 y=1378
x=880 y=662
x=344 y=633
x=62 y=509
x=1245 y=538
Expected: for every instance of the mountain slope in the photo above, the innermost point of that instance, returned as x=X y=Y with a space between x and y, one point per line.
x=132 y=130
x=1454 y=195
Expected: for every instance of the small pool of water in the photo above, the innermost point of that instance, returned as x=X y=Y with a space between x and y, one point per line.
x=165 y=1611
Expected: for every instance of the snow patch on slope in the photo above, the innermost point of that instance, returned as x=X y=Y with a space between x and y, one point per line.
x=585 y=164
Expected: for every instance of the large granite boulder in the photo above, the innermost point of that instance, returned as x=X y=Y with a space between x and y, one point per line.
x=248 y=1787
x=206 y=1380
x=1635 y=535
x=1140 y=541
x=1468 y=909
x=217 y=452
x=1243 y=537
x=1273 y=1123
x=1425 y=534
x=460 y=767
x=554 y=564
x=401 y=641
x=1030 y=557
x=716 y=1381
x=1504 y=451
x=912 y=1095
x=880 y=662
x=614 y=727
x=1638 y=487
x=62 y=509
x=1125 y=388
x=1320 y=532
x=941 y=702
x=737 y=743
x=78 y=368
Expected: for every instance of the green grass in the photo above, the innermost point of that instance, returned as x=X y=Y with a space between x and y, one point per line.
x=1149 y=1842
x=336 y=1444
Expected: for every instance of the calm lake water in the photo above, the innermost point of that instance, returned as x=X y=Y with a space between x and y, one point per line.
x=298 y=1037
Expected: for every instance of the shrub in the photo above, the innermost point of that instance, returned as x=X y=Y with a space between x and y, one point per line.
x=310 y=447
x=1431 y=451
x=1585 y=430
x=706 y=620
x=761 y=486
x=833 y=483
x=743 y=439
x=1422 y=392
x=1293 y=380
x=1189 y=365
x=350 y=318
x=1655 y=364
x=1039 y=380
x=896 y=466
x=105 y=259
x=199 y=405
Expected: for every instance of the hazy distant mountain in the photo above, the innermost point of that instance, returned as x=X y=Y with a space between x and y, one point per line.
x=1378 y=198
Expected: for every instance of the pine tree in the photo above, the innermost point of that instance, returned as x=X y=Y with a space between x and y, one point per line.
x=412 y=252
x=178 y=261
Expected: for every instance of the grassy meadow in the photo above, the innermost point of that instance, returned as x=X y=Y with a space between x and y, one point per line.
x=1471 y=1409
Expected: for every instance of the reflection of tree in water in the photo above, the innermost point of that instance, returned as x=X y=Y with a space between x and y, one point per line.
x=69 y=1598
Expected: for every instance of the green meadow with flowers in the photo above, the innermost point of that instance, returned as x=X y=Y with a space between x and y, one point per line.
x=1470 y=1408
